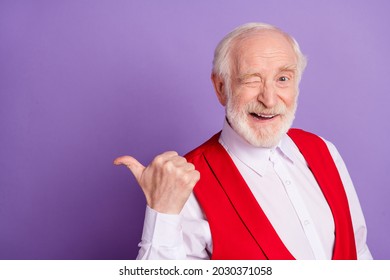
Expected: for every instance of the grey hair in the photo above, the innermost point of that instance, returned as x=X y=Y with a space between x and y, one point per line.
x=222 y=55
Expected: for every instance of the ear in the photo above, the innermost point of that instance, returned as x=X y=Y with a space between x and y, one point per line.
x=220 y=89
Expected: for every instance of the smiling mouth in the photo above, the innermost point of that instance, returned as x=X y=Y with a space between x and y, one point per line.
x=263 y=116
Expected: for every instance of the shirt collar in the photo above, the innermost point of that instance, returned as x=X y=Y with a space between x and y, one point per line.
x=254 y=157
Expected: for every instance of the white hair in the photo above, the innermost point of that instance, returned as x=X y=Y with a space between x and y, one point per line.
x=222 y=55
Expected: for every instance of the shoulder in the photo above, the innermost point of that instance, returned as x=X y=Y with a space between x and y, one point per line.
x=303 y=137
x=297 y=133
x=200 y=150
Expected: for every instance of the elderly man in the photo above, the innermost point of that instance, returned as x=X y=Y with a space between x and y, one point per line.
x=257 y=189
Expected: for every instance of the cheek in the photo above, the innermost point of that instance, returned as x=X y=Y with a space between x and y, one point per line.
x=244 y=95
x=239 y=103
x=289 y=97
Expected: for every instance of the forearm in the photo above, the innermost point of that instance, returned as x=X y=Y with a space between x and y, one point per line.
x=162 y=237
x=184 y=236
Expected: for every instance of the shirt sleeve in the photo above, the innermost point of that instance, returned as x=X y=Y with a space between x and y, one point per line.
x=358 y=221
x=169 y=237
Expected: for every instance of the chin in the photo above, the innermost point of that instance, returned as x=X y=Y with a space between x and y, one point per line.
x=265 y=137
x=262 y=136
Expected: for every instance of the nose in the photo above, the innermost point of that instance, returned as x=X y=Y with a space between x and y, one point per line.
x=268 y=95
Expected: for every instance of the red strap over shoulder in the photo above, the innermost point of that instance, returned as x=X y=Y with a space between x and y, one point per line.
x=321 y=163
x=239 y=227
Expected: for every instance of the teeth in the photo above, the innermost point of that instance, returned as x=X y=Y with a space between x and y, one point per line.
x=266 y=116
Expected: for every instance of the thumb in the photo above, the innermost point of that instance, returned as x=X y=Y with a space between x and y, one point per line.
x=134 y=165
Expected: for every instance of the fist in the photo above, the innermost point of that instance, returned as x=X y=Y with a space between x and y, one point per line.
x=167 y=181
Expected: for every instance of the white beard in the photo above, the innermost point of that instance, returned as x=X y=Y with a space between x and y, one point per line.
x=266 y=136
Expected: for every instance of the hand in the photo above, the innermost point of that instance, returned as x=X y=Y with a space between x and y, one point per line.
x=167 y=181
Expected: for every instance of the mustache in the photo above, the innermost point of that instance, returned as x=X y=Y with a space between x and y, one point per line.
x=259 y=108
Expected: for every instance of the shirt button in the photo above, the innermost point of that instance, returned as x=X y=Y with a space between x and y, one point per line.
x=306 y=222
x=287 y=182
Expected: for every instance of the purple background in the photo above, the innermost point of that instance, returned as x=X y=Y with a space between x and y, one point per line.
x=82 y=82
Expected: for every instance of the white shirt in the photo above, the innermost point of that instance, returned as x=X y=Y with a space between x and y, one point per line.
x=285 y=189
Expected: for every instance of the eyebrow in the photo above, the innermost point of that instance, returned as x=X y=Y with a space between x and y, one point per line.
x=290 y=68
x=286 y=68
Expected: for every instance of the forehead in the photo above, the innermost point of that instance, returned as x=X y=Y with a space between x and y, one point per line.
x=263 y=50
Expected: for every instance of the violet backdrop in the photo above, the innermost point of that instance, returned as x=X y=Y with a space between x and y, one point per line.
x=82 y=82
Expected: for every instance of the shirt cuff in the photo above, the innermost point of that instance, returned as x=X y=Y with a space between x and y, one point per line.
x=162 y=229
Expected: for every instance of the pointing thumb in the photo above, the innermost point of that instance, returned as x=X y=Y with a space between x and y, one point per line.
x=134 y=165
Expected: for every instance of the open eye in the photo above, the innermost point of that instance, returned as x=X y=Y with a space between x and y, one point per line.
x=283 y=79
